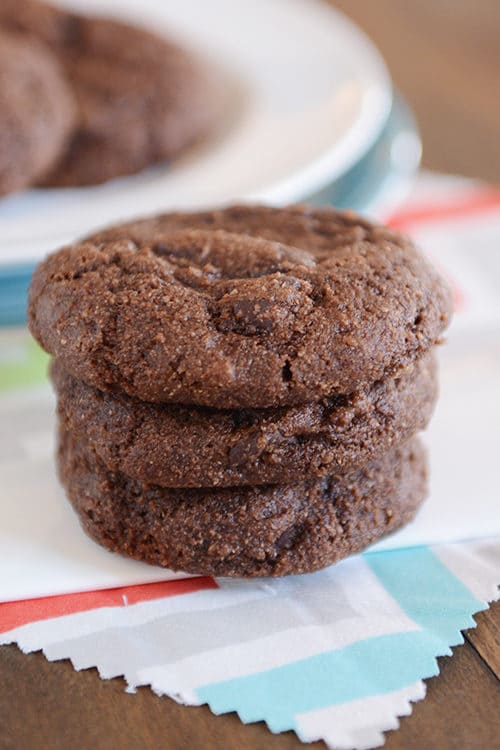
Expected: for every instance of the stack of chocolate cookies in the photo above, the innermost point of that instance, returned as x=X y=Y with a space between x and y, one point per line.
x=239 y=390
x=86 y=99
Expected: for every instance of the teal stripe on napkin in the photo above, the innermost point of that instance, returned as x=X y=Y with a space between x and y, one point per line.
x=424 y=588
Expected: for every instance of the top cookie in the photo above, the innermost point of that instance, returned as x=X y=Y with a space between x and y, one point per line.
x=242 y=307
x=36 y=111
x=141 y=99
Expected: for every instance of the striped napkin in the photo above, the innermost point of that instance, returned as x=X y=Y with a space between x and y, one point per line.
x=338 y=655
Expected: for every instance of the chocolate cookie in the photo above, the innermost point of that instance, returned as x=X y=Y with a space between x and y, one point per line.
x=182 y=446
x=141 y=98
x=36 y=112
x=214 y=309
x=269 y=530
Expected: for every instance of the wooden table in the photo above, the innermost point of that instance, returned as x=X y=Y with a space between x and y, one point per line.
x=444 y=56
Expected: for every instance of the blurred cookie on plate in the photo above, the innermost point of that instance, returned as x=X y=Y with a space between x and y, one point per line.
x=141 y=98
x=37 y=112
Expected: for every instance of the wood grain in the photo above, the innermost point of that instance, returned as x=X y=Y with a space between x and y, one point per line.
x=485 y=639
x=48 y=706
x=459 y=712
x=444 y=56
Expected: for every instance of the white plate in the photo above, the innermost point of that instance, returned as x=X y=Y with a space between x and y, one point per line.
x=306 y=94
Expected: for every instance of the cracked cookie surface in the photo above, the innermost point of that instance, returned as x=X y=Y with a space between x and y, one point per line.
x=250 y=531
x=241 y=307
x=183 y=446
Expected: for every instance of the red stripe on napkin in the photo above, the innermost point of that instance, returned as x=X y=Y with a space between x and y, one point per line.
x=14 y=614
x=477 y=202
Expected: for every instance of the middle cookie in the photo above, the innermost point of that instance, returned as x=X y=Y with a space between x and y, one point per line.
x=185 y=446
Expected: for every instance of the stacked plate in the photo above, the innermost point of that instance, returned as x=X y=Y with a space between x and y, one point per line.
x=309 y=114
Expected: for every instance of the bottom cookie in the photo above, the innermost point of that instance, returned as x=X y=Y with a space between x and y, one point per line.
x=270 y=530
